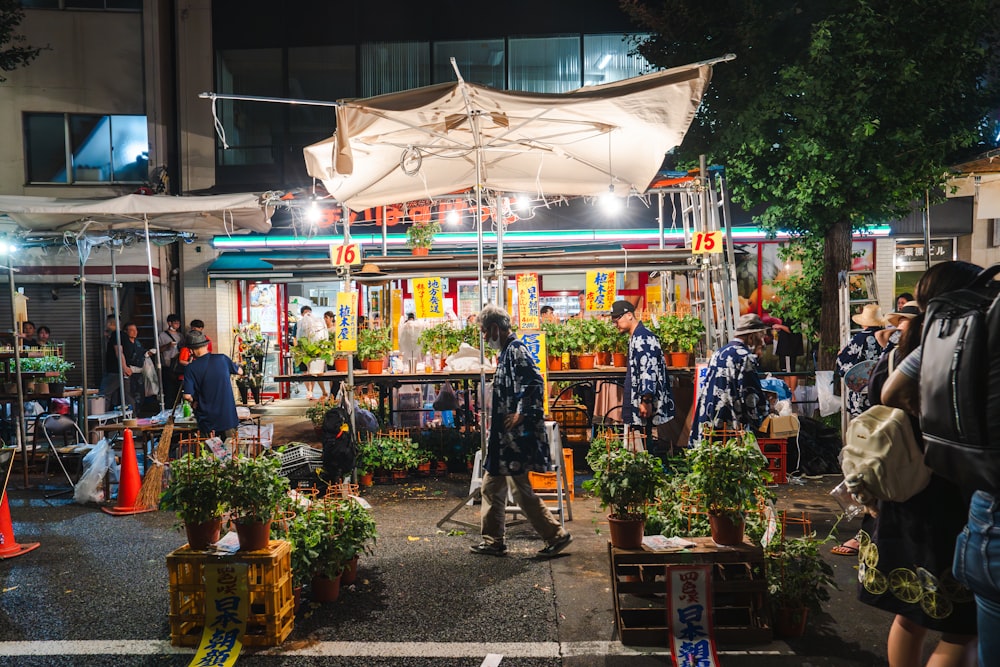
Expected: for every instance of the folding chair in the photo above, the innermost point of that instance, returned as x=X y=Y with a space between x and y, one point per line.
x=59 y=425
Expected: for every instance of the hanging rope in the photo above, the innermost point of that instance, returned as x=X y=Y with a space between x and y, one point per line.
x=219 y=129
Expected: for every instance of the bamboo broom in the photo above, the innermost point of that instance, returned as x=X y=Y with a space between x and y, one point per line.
x=152 y=482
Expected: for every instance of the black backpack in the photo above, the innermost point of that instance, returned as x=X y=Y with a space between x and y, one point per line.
x=339 y=446
x=960 y=384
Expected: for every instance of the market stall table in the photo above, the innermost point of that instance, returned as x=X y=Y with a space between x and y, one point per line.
x=149 y=431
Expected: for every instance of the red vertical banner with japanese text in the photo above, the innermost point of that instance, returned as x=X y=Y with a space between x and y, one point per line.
x=346 y=322
x=428 y=297
x=527 y=300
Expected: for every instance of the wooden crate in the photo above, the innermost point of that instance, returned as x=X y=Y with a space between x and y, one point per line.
x=739 y=589
x=574 y=424
x=545 y=482
x=269 y=584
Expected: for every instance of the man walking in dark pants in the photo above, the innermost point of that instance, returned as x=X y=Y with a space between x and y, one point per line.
x=207 y=385
x=517 y=442
x=647 y=401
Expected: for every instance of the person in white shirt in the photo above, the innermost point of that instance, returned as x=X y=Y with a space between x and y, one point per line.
x=314 y=330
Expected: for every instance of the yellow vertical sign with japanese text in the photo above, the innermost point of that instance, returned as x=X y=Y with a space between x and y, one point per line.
x=601 y=286
x=535 y=342
x=527 y=300
x=428 y=297
x=395 y=314
x=345 y=322
x=227 y=602
x=654 y=298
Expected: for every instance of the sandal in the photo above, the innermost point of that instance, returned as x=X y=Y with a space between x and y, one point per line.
x=844 y=550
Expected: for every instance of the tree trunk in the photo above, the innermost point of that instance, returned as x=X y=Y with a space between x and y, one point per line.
x=836 y=258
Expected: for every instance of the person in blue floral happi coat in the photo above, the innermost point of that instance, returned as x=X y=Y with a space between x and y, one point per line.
x=647 y=400
x=517 y=442
x=863 y=347
x=730 y=396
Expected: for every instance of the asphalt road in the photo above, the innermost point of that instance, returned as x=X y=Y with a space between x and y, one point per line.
x=96 y=593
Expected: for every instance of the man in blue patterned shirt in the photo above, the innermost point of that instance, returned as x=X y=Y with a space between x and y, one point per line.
x=648 y=400
x=730 y=395
x=517 y=442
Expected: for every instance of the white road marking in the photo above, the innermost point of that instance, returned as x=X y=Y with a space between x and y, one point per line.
x=355 y=649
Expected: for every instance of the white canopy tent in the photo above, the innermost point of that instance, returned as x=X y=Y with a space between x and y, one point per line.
x=102 y=221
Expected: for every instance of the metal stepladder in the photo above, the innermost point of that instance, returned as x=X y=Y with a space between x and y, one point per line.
x=855 y=290
x=563 y=507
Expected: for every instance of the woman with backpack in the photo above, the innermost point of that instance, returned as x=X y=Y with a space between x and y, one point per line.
x=906 y=550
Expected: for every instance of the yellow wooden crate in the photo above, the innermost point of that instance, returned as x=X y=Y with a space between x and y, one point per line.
x=269 y=584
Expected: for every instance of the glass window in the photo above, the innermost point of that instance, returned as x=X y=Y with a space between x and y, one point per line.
x=45 y=147
x=480 y=61
x=324 y=73
x=389 y=67
x=103 y=149
x=544 y=64
x=253 y=129
x=608 y=58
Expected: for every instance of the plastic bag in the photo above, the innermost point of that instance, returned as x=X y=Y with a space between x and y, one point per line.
x=90 y=488
x=150 y=378
x=829 y=403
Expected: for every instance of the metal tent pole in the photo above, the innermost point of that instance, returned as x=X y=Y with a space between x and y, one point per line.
x=152 y=303
x=19 y=425
x=84 y=408
x=118 y=329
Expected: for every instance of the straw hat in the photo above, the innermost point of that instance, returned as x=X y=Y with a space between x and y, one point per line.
x=369 y=271
x=908 y=312
x=870 y=316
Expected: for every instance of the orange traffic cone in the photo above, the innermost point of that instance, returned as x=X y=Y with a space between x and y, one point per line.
x=8 y=545
x=128 y=482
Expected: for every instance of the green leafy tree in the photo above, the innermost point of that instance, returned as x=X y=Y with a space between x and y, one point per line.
x=799 y=296
x=14 y=51
x=836 y=114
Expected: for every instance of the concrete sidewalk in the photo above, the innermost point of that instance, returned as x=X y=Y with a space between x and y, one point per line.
x=95 y=592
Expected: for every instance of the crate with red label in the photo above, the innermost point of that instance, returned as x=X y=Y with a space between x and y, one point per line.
x=776 y=452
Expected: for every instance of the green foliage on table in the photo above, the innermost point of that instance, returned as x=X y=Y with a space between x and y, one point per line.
x=306 y=350
x=257 y=487
x=681 y=333
x=421 y=234
x=374 y=343
x=443 y=339
x=624 y=480
x=199 y=488
x=582 y=336
x=729 y=476
x=555 y=338
x=47 y=364
x=368 y=456
x=797 y=575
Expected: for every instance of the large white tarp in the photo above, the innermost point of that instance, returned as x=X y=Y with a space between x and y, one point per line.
x=431 y=141
x=209 y=214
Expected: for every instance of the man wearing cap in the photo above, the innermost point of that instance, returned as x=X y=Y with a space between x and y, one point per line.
x=863 y=348
x=730 y=396
x=208 y=387
x=647 y=401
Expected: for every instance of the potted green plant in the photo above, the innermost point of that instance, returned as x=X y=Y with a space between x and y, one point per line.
x=257 y=490
x=398 y=455
x=358 y=535
x=373 y=345
x=420 y=236
x=198 y=493
x=798 y=580
x=444 y=339
x=729 y=478
x=59 y=367
x=619 y=348
x=316 y=412
x=626 y=481
x=688 y=332
x=367 y=459
x=307 y=352
x=555 y=344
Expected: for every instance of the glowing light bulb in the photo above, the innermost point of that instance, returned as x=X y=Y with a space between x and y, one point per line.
x=453 y=217
x=313 y=214
x=523 y=204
